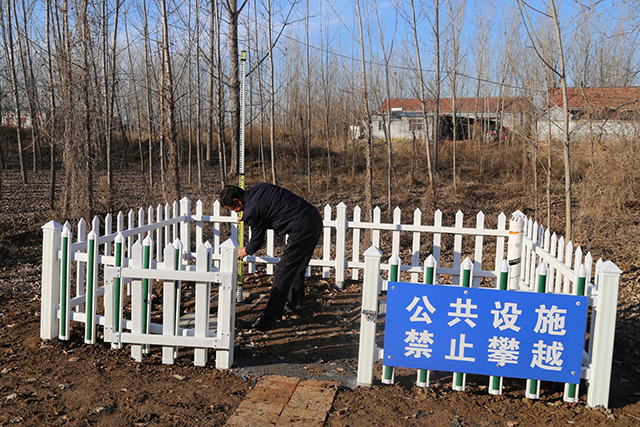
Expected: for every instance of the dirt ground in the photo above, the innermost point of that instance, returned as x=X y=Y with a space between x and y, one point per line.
x=70 y=383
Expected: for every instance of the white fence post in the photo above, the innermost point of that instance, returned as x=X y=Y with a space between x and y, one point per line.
x=170 y=302
x=216 y=238
x=199 y=224
x=395 y=235
x=341 y=243
x=65 y=281
x=160 y=242
x=50 y=289
x=185 y=226
x=117 y=288
x=203 y=294
x=326 y=242
x=140 y=223
x=108 y=229
x=92 y=287
x=227 y=301
x=137 y=300
x=80 y=265
x=415 y=249
x=603 y=334
x=355 y=246
x=514 y=251
x=368 y=316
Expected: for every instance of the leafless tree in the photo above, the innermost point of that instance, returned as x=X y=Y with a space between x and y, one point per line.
x=10 y=48
x=423 y=96
x=198 y=96
x=560 y=71
x=233 y=12
x=148 y=67
x=436 y=124
x=216 y=72
x=327 y=89
x=308 y=87
x=455 y=11
x=258 y=70
x=26 y=61
x=52 y=120
x=110 y=88
x=272 y=95
x=365 y=118
x=134 y=84
x=387 y=131
x=172 y=183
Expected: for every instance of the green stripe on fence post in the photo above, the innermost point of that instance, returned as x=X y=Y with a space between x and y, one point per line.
x=465 y=273
x=495 y=382
x=388 y=372
x=533 y=386
x=571 y=390
x=422 y=376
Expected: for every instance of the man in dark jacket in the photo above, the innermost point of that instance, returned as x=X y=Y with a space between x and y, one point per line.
x=266 y=206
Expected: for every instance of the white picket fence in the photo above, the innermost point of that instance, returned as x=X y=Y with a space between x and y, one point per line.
x=133 y=268
x=174 y=245
x=531 y=250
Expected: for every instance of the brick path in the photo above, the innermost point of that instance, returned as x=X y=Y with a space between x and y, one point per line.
x=284 y=401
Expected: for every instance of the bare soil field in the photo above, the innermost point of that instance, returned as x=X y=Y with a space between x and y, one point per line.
x=70 y=383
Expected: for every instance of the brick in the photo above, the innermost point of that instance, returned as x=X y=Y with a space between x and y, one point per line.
x=242 y=421
x=261 y=394
x=301 y=417
x=258 y=414
x=285 y=402
x=309 y=396
x=278 y=380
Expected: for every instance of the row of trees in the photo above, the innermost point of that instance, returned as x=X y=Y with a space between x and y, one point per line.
x=161 y=78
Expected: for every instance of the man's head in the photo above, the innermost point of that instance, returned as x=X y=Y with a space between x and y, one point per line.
x=232 y=197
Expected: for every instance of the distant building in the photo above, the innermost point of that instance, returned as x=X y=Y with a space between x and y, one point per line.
x=9 y=119
x=599 y=112
x=489 y=116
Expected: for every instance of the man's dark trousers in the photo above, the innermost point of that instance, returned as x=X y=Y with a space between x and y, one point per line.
x=288 y=281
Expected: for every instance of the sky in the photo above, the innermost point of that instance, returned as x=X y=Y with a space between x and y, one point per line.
x=333 y=27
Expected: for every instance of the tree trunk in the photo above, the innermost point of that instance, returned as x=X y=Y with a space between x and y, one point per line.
x=234 y=81
x=52 y=110
x=436 y=124
x=136 y=96
x=566 y=134
x=148 y=70
x=172 y=189
x=15 y=91
x=368 y=185
x=308 y=100
x=388 y=124
x=423 y=99
x=272 y=96
x=260 y=98
x=110 y=104
x=30 y=85
x=220 y=100
x=198 y=99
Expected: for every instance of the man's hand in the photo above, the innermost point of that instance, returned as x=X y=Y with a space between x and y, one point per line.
x=242 y=252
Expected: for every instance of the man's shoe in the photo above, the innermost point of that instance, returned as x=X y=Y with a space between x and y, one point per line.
x=295 y=310
x=260 y=323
